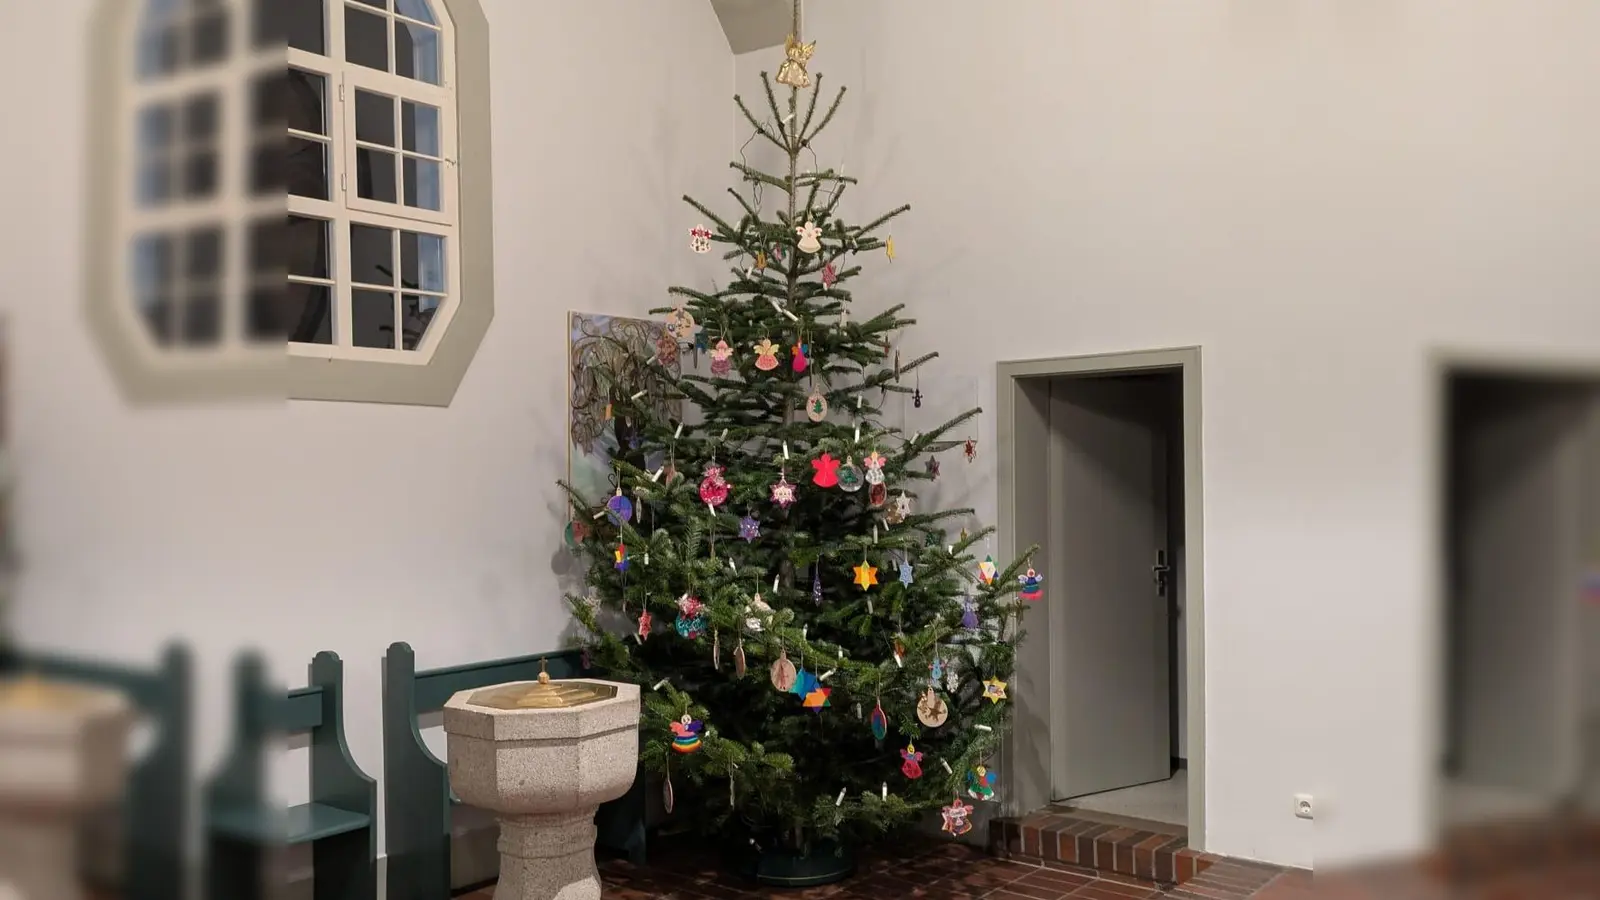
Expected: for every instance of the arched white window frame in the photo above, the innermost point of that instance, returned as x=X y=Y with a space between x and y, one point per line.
x=427 y=375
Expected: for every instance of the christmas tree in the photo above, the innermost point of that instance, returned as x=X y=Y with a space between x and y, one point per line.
x=820 y=659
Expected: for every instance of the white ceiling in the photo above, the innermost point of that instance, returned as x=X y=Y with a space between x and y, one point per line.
x=754 y=24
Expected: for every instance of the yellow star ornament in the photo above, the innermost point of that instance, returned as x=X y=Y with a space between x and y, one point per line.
x=866 y=575
x=994 y=690
x=888 y=248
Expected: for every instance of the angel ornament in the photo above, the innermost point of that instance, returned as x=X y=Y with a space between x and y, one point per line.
x=809 y=233
x=793 y=71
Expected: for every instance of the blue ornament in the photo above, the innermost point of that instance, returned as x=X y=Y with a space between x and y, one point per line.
x=619 y=509
x=749 y=528
x=905 y=572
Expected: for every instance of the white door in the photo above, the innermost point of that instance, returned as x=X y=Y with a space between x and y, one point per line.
x=1108 y=534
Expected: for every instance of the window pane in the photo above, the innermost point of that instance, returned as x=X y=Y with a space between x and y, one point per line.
x=155 y=128
x=422 y=184
x=306 y=168
x=158 y=52
x=415 y=9
x=372 y=319
x=375 y=175
x=200 y=118
x=421 y=262
x=155 y=182
x=266 y=249
x=303 y=99
x=209 y=33
x=303 y=313
x=371 y=255
x=374 y=118
x=419 y=127
x=302 y=22
x=202 y=258
x=200 y=174
x=366 y=39
x=379 y=4
x=157 y=311
x=153 y=264
x=416 y=314
x=416 y=52
x=307 y=247
x=202 y=318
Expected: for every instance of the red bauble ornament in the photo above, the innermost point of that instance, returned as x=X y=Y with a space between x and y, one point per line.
x=714 y=488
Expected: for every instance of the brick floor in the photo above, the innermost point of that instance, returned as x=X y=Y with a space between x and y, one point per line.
x=957 y=872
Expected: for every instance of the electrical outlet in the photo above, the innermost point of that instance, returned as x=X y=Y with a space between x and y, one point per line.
x=1302 y=806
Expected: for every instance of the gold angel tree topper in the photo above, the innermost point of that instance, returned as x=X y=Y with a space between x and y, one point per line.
x=793 y=71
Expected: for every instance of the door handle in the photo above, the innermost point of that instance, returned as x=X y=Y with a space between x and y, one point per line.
x=1159 y=573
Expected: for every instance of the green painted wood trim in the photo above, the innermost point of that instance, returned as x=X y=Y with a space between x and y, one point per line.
x=302 y=710
x=434 y=687
x=156 y=800
x=339 y=822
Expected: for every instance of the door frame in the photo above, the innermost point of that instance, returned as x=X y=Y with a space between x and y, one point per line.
x=1026 y=751
x=1446 y=362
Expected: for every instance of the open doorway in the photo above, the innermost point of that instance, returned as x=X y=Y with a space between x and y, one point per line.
x=1520 y=538
x=1100 y=468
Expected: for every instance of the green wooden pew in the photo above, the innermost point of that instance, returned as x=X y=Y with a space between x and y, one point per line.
x=156 y=798
x=339 y=823
x=416 y=783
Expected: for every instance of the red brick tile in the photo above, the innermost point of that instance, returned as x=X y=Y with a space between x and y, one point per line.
x=1110 y=890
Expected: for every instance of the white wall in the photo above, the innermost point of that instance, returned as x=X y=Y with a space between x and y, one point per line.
x=341 y=526
x=1316 y=193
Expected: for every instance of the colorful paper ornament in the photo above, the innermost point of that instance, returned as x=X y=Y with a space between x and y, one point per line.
x=878 y=722
x=969 y=614
x=956 y=818
x=877 y=496
x=782 y=491
x=936 y=669
x=1032 y=585
x=797 y=358
x=793 y=70
x=817 y=698
x=850 y=476
x=826 y=471
x=666 y=349
x=619 y=509
x=888 y=248
x=980 y=783
x=912 y=765
x=761 y=260
x=783 y=672
x=906 y=575
x=994 y=690
x=680 y=324
x=932 y=711
x=575 y=533
x=691 y=622
x=866 y=575
x=808 y=234
x=873 y=463
x=766 y=355
x=932 y=465
x=987 y=570
x=749 y=528
x=816 y=406
x=700 y=239
x=804 y=683
x=970 y=449
x=721 y=359
x=686 y=734
x=644 y=626
x=713 y=487
x=621 y=557
x=829 y=275
x=902 y=508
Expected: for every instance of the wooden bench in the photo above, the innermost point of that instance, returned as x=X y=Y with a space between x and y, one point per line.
x=155 y=801
x=340 y=821
x=416 y=783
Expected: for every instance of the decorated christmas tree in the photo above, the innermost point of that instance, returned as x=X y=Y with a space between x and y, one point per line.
x=822 y=660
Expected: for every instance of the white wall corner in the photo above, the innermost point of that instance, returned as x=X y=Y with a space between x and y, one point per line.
x=753 y=24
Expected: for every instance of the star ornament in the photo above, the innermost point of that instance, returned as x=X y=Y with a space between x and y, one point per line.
x=866 y=575
x=994 y=690
x=817 y=699
x=621 y=556
x=825 y=471
x=783 y=491
x=749 y=528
